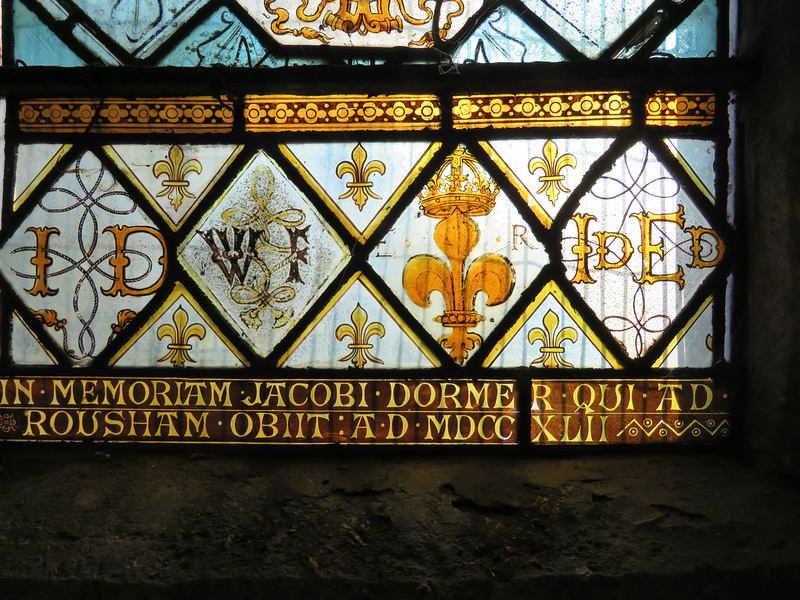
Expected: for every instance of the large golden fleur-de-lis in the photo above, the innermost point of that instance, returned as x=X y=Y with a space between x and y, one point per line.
x=360 y=188
x=454 y=199
x=552 y=165
x=360 y=333
x=180 y=333
x=551 y=341
x=176 y=169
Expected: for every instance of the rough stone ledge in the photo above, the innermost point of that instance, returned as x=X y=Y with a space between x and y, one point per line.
x=84 y=521
x=708 y=584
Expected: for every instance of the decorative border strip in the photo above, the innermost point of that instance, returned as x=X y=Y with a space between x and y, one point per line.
x=587 y=109
x=342 y=113
x=279 y=113
x=671 y=110
x=118 y=115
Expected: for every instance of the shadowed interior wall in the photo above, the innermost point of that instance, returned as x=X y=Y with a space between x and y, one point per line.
x=770 y=136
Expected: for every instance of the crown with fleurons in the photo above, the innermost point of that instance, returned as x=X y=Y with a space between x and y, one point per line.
x=459 y=184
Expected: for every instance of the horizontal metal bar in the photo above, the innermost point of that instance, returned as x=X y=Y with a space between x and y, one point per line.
x=648 y=74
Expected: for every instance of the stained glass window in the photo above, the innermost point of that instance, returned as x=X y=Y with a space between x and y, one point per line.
x=329 y=221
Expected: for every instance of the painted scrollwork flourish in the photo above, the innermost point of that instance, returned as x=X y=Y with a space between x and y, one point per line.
x=362 y=17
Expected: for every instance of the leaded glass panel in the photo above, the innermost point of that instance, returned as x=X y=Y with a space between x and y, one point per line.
x=330 y=222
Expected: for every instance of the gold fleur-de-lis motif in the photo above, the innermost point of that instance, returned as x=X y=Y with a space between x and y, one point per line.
x=551 y=341
x=552 y=165
x=180 y=333
x=360 y=170
x=360 y=333
x=176 y=185
x=455 y=199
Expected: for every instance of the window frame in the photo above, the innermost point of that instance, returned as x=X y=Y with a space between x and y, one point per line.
x=641 y=78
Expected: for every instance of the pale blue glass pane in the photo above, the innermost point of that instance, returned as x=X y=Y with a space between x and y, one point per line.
x=86 y=38
x=697 y=157
x=340 y=341
x=696 y=36
x=281 y=61
x=222 y=39
x=694 y=348
x=58 y=12
x=589 y=26
x=581 y=352
x=85 y=201
x=139 y=26
x=35 y=44
x=635 y=312
x=25 y=348
x=504 y=37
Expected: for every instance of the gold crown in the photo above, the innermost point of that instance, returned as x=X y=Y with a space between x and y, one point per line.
x=472 y=192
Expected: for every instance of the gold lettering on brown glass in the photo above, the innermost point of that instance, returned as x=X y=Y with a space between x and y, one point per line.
x=629 y=411
x=261 y=411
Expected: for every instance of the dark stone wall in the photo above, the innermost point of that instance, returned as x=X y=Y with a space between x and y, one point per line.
x=134 y=523
x=770 y=189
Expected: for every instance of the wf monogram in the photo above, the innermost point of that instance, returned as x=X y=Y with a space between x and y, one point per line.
x=249 y=238
x=233 y=259
x=235 y=256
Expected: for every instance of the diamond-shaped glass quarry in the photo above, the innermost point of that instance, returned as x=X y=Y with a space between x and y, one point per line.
x=461 y=257
x=262 y=254
x=86 y=259
x=637 y=249
x=139 y=26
